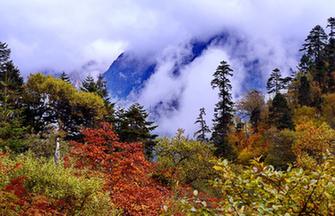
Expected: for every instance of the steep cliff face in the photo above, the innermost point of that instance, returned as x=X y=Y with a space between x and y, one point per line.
x=129 y=71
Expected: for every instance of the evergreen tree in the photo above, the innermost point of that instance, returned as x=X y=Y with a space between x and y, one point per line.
x=280 y=153
x=100 y=88
x=315 y=43
x=330 y=55
x=12 y=132
x=304 y=92
x=313 y=57
x=223 y=112
x=4 y=55
x=101 y=85
x=89 y=85
x=133 y=126
x=276 y=82
x=204 y=129
x=279 y=113
x=331 y=25
x=65 y=77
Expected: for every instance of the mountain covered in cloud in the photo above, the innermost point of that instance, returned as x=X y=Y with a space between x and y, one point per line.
x=176 y=83
x=128 y=74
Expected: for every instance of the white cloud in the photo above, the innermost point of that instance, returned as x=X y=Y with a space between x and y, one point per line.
x=68 y=34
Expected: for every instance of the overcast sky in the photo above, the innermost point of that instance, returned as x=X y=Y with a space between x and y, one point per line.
x=64 y=35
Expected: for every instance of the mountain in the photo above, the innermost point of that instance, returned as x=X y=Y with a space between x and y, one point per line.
x=129 y=71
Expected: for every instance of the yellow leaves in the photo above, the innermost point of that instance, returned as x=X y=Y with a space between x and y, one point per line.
x=304 y=114
x=313 y=138
x=58 y=90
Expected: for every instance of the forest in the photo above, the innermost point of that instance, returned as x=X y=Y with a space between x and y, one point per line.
x=68 y=150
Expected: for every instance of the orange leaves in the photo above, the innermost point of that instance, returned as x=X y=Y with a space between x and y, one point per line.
x=313 y=138
x=126 y=170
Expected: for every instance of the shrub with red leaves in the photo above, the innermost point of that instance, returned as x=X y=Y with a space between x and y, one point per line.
x=126 y=170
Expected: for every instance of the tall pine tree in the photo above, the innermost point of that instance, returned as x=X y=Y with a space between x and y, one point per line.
x=223 y=112
x=304 y=92
x=280 y=113
x=12 y=132
x=313 y=58
x=200 y=134
x=276 y=82
x=330 y=55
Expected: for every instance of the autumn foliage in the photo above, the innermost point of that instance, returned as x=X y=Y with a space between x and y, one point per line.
x=125 y=169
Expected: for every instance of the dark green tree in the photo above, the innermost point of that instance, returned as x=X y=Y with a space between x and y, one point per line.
x=314 y=55
x=132 y=125
x=4 y=55
x=13 y=134
x=200 y=134
x=65 y=77
x=330 y=55
x=280 y=152
x=101 y=85
x=223 y=112
x=304 y=92
x=280 y=113
x=11 y=84
x=315 y=43
x=89 y=85
x=276 y=82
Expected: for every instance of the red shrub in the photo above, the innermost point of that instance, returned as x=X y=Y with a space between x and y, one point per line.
x=126 y=170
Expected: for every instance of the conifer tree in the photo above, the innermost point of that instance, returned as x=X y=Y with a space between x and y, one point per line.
x=280 y=113
x=89 y=85
x=276 y=82
x=200 y=135
x=12 y=132
x=330 y=55
x=65 y=77
x=313 y=57
x=102 y=87
x=4 y=55
x=223 y=112
x=304 y=92
x=133 y=126
x=315 y=43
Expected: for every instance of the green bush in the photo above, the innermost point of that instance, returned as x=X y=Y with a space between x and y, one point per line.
x=85 y=195
x=185 y=161
x=280 y=152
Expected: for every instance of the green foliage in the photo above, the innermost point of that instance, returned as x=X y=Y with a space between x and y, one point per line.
x=276 y=83
x=260 y=190
x=328 y=109
x=304 y=92
x=280 y=113
x=305 y=113
x=50 y=100
x=201 y=134
x=313 y=139
x=85 y=196
x=184 y=161
x=252 y=105
x=65 y=77
x=223 y=112
x=280 y=154
x=133 y=126
x=44 y=147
